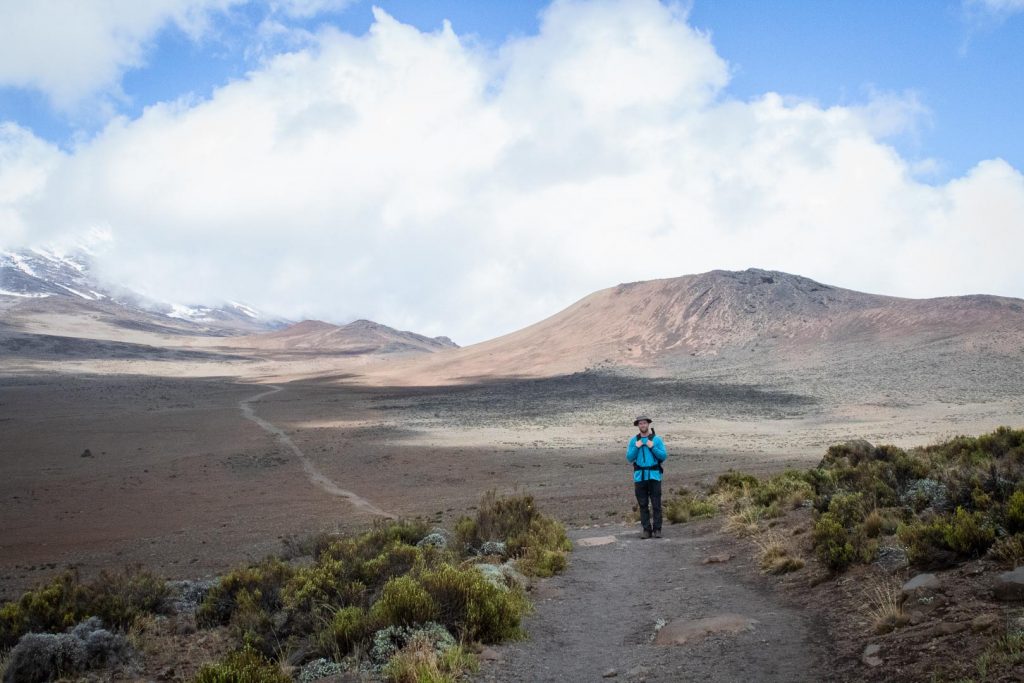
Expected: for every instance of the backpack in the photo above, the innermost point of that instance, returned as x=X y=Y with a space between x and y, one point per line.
x=656 y=466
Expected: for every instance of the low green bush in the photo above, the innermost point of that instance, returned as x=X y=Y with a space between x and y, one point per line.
x=244 y=666
x=832 y=543
x=117 y=598
x=962 y=534
x=346 y=629
x=473 y=607
x=684 y=506
x=1014 y=515
x=263 y=583
x=404 y=602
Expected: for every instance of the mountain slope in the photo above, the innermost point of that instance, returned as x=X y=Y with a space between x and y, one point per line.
x=729 y=313
x=39 y=286
x=358 y=337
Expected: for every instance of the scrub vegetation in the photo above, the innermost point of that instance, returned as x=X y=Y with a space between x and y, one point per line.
x=402 y=600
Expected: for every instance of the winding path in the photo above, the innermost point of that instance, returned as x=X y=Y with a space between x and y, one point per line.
x=315 y=475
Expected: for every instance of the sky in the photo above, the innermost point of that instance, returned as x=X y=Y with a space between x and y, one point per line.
x=468 y=169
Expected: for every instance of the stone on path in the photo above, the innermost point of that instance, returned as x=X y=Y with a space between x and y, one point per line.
x=682 y=631
x=1010 y=585
x=716 y=559
x=983 y=622
x=595 y=540
x=610 y=673
x=870 y=656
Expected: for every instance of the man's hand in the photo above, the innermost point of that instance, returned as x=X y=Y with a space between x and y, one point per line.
x=639 y=443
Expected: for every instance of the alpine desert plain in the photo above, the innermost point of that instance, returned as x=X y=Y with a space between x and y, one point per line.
x=131 y=437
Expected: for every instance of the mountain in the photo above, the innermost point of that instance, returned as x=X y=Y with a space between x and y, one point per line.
x=42 y=287
x=749 y=315
x=355 y=338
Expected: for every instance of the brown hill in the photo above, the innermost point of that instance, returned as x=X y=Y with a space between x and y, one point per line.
x=723 y=313
x=356 y=338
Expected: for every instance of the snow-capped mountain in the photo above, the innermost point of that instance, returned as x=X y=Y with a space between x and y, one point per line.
x=38 y=273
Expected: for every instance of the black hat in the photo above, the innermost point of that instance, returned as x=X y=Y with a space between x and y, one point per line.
x=642 y=417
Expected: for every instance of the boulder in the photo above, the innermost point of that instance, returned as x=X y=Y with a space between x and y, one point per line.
x=925 y=583
x=1010 y=585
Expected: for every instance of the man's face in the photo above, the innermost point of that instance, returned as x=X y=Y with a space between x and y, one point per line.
x=644 y=425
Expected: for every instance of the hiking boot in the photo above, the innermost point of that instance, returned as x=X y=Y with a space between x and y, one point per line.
x=657 y=533
x=645 y=534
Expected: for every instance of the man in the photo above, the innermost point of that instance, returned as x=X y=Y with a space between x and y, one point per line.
x=646 y=451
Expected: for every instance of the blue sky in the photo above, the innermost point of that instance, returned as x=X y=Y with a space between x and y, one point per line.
x=323 y=158
x=962 y=61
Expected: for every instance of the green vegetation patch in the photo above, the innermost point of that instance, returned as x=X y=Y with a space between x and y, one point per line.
x=117 y=598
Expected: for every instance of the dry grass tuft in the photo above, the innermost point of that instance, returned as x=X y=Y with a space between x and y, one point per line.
x=884 y=604
x=745 y=521
x=776 y=555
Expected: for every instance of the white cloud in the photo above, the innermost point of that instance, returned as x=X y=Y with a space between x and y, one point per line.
x=304 y=9
x=1002 y=7
x=411 y=178
x=72 y=49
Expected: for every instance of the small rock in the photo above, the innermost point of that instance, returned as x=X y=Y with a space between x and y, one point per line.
x=638 y=673
x=610 y=673
x=922 y=582
x=595 y=540
x=870 y=656
x=682 y=631
x=983 y=622
x=86 y=453
x=489 y=654
x=717 y=559
x=1010 y=585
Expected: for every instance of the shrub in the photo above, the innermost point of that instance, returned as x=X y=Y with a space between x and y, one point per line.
x=471 y=606
x=389 y=641
x=346 y=629
x=542 y=548
x=787 y=490
x=961 y=534
x=1014 y=515
x=733 y=481
x=322 y=586
x=873 y=524
x=244 y=666
x=684 y=507
x=419 y=662
x=404 y=602
x=118 y=598
x=52 y=607
x=47 y=656
x=262 y=583
x=968 y=533
x=832 y=543
x=1009 y=550
x=849 y=509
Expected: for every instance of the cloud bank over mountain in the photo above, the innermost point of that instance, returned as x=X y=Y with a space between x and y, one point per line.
x=426 y=182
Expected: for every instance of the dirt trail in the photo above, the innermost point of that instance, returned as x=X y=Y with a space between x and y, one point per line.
x=601 y=616
x=315 y=475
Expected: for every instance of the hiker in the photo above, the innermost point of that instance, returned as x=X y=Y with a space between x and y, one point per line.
x=646 y=451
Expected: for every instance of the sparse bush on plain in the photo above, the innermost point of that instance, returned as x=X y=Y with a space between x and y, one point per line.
x=684 y=506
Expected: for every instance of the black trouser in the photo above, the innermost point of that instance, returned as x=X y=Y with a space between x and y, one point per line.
x=649 y=490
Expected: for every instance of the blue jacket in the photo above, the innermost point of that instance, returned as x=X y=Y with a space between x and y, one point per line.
x=646 y=456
